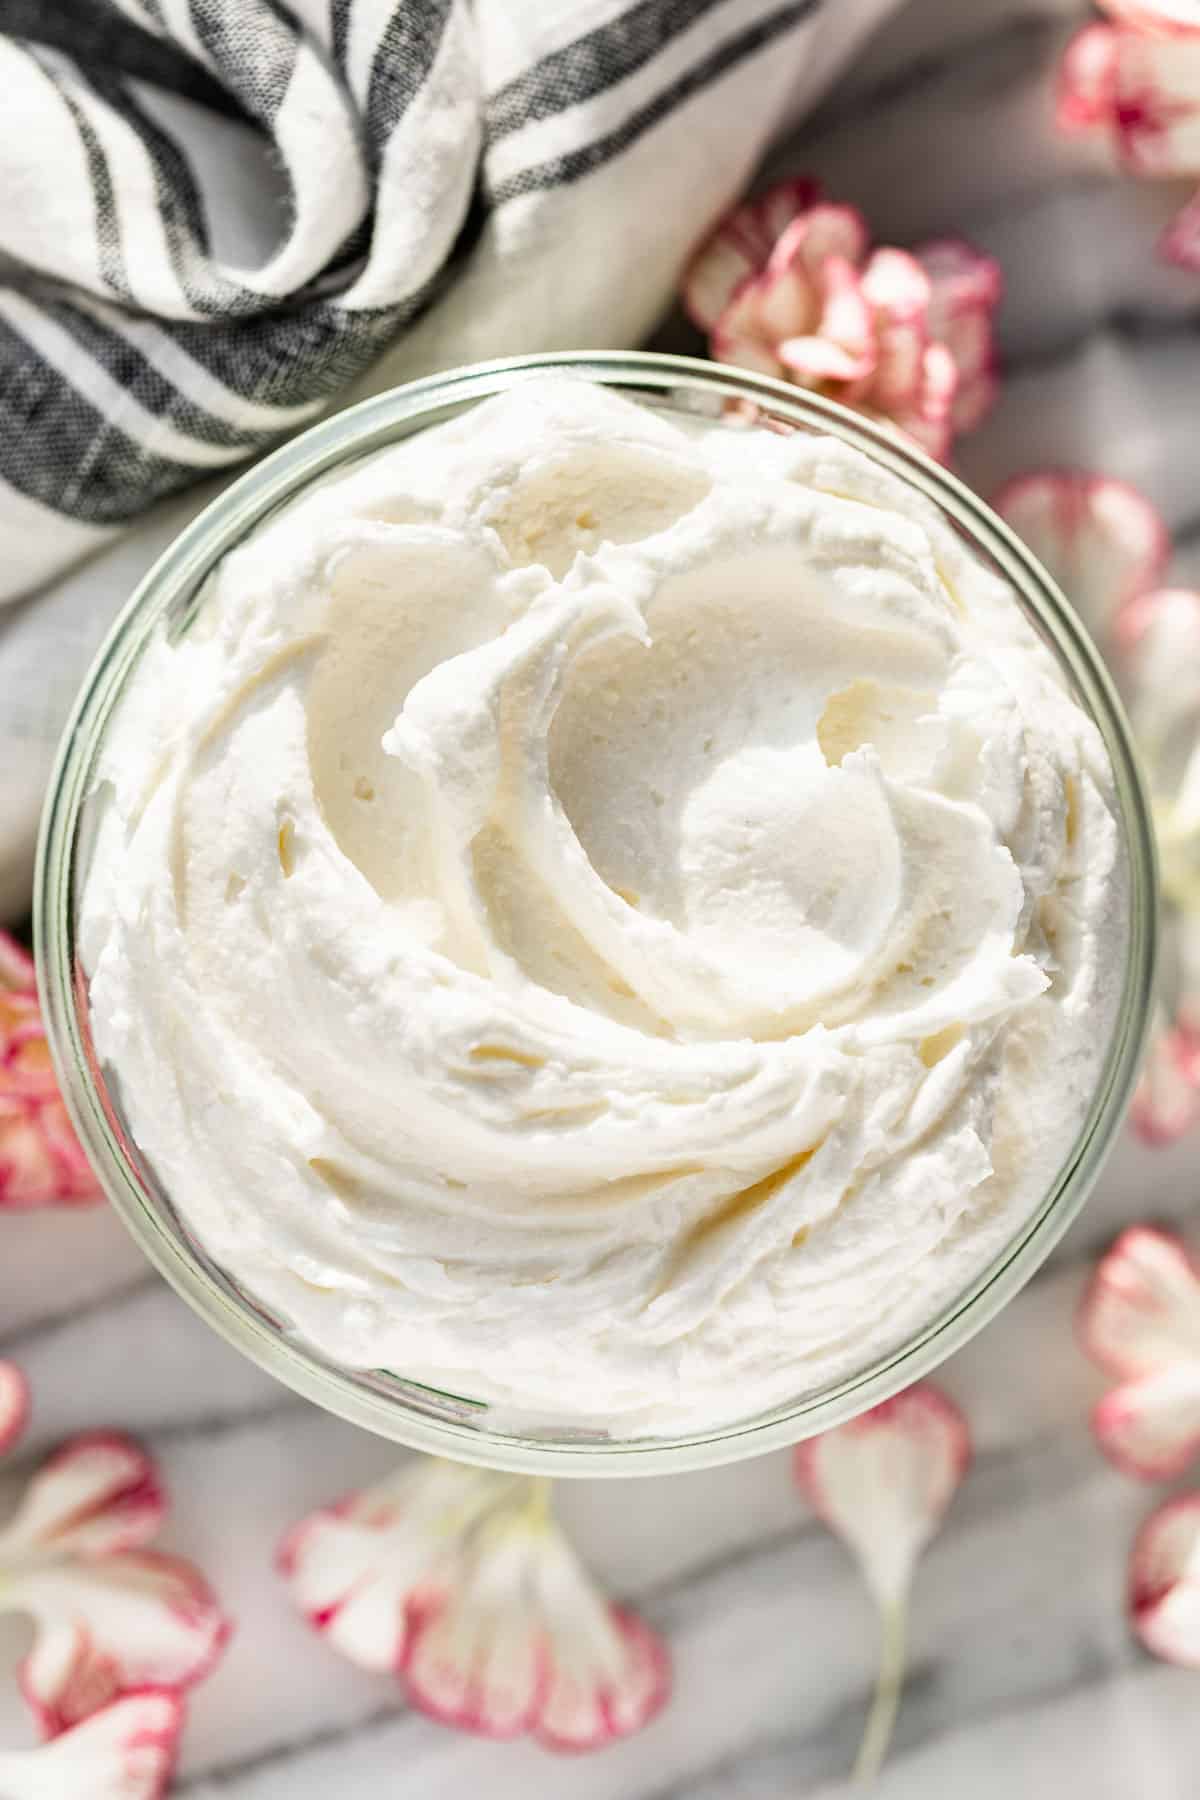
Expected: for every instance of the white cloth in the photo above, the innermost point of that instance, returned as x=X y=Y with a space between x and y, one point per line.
x=219 y=213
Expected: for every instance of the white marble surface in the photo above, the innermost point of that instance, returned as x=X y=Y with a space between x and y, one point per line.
x=1024 y=1677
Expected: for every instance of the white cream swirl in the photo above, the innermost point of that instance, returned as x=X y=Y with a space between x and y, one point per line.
x=614 y=916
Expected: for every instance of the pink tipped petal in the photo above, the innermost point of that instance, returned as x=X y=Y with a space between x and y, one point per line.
x=961 y=278
x=99 y=1493
x=785 y=304
x=1141 y=1311
x=41 y=1162
x=477 y=1660
x=1180 y=242
x=1164 y=1582
x=883 y=1481
x=354 y=1588
x=1166 y=1103
x=1156 y=112
x=816 y=236
x=973 y=400
x=125 y=1752
x=713 y=277
x=771 y=213
x=363 y=1571
x=810 y=360
x=107 y=1627
x=14 y=1404
x=744 y=353
x=846 y=320
x=739 y=248
x=475 y=1674
x=1150 y=1427
x=16 y=966
x=581 y=1713
x=1087 y=79
x=967 y=335
x=517 y=1638
x=1099 y=539
x=895 y=284
x=1165 y=17
x=609 y=1673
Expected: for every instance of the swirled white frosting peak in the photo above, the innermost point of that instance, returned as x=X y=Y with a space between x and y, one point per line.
x=615 y=916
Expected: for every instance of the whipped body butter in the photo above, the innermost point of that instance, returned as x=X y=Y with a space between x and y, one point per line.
x=605 y=914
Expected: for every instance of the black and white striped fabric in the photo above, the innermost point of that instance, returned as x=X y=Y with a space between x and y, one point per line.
x=514 y=174
x=220 y=217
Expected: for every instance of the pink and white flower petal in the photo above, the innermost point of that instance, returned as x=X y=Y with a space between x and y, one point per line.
x=1141 y=1310
x=883 y=1481
x=739 y=247
x=125 y=1752
x=478 y=1660
x=610 y=1673
x=714 y=275
x=1165 y=16
x=41 y=1162
x=785 y=303
x=97 y=1494
x=814 y=361
x=897 y=290
x=14 y=1404
x=1150 y=1427
x=1166 y=1101
x=1100 y=539
x=896 y=285
x=1156 y=109
x=1180 y=242
x=359 y=1570
x=1087 y=79
x=17 y=973
x=1164 y=1581
x=961 y=278
x=814 y=237
x=110 y=1626
x=745 y=352
x=768 y=216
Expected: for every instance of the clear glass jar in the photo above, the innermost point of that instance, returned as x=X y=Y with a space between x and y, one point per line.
x=383 y=1401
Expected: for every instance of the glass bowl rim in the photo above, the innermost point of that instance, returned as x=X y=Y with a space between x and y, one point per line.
x=354 y=432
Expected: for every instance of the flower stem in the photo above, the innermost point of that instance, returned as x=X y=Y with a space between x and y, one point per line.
x=889 y=1682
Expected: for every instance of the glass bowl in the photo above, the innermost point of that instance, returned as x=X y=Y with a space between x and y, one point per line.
x=381 y=1400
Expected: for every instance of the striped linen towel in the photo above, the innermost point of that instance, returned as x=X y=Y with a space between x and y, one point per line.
x=217 y=217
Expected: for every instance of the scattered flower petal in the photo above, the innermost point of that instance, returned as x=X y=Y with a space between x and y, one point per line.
x=96 y=1495
x=1166 y=17
x=1151 y=1427
x=125 y=1752
x=1087 y=79
x=1100 y=540
x=109 y=1618
x=1107 y=547
x=1139 y=81
x=362 y=1569
x=111 y=1626
x=1166 y=1101
x=882 y=1483
x=1164 y=1582
x=14 y=1404
x=1141 y=1310
x=460 y=1581
x=41 y=1161
x=785 y=286
x=1140 y=1320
